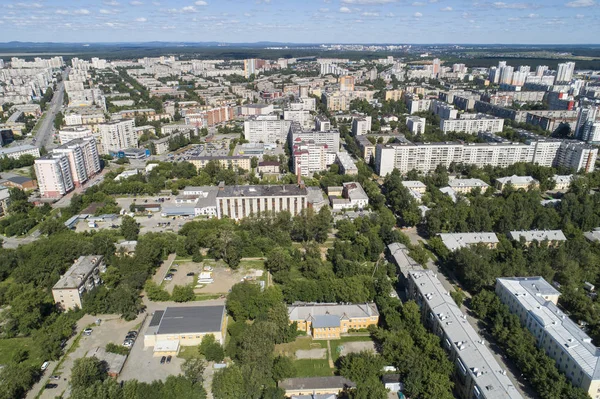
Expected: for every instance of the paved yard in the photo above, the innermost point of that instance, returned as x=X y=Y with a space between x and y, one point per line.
x=311 y=353
x=355 y=347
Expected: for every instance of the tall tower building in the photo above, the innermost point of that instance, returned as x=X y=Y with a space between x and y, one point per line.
x=587 y=128
x=564 y=73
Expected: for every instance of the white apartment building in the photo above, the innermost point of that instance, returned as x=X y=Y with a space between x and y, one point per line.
x=237 y=202
x=473 y=124
x=361 y=125
x=54 y=176
x=82 y=276
x=309 y=157
x=266 y=129
x=301 y=116
x=443 y=110
x=73 y=133
x=346 y=163
x=322 y=123
x=416 y=105
x=534 y=301
x=564 y=73
x=68 y=166
x=17 y=152
x=118 y=135
x=415 y=124
x=330 y=138
x=477 y=373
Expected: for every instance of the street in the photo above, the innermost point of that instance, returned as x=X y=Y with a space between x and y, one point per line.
x=43 y=137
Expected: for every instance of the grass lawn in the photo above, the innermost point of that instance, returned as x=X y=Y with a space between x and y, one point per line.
x=252 y=264
x=206 y=297
x=312 y=368
x=8 y=348
x=337 y=344
x=189 y=352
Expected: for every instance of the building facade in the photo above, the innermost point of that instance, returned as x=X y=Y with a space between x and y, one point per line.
x=82 y=276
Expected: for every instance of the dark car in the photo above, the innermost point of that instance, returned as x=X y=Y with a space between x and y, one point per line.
x=130 y=337
x=50 y=386
x=134 y=333
x=168 y=359
x=190 y=274
x=163 y=360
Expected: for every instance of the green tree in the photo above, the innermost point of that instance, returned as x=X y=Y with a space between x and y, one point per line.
x=193 y=369
x=211 y=349
x=129 y=228
x=86 y=371
x=228 y=383
x=283 y=367
x=183 y=293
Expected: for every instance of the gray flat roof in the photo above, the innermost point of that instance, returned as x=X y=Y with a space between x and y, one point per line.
x=324 y=321
x=335 y=382
x=78 y=272
x=191 y=319
x=262 y=191
x=538 y=235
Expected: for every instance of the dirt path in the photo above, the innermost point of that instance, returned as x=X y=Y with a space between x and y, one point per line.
x=164 y=269
x=329 y=355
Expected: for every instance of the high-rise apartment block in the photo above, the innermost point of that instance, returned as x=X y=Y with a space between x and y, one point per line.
x=587 y=128
x=67 y=167
x=118 y=135
x=473 y=124
x=266 y=129
x=361 y=125
x=564 y=73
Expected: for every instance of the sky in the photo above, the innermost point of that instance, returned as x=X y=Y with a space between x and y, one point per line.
x=303 y=21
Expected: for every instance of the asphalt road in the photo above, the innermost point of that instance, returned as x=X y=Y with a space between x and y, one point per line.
x=43 y=137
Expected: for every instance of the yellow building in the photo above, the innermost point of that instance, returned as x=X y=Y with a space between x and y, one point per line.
x=518 y=182
x=310 y=386
x=330 y=320
x=240 y=162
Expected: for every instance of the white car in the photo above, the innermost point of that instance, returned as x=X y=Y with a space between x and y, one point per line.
x=45 y=365
x=168 y=277
x=87 y=331
x=128 y=343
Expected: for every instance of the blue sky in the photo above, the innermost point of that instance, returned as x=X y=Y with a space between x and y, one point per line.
x=305 y=21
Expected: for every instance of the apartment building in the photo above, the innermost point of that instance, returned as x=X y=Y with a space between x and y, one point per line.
x=117 y=135
x=351 y=195
x=237 y=202
x=329 y=320
x=552 y=237
x=477 y=373
x=322 y=123
x=443 y=110
x=473 y=124
x=367 y=148
x=266 y=129
x=82 y=276
x=465 y=186
x=517 y=182
x=210 y=117
x=18 y=151
x=255 y=109
x=415 y=124
x=69 y=133
x=331 y=138
x=455 y=241
x=67 y=167
x=309 y=157
x=534 y=301
x=346 y=163
x=236 y=161
x=361 y=125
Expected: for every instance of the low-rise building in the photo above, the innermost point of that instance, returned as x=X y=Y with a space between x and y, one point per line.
x=314 y=387
x=20 y=182
x=268 y=167
x=517 y=182
x=82 y=276
x=562 y=182
x=477 y=374
x=552 y=237
x=465 y=186
x=534 y=301
x=455 y=241
x=415 y=185
x=236 y=161
x=352 y=196
x=18 y=151
x=178 y=326
x=329 y=320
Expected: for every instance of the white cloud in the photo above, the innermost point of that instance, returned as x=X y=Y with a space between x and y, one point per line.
x=446 y=8
x=62 y=12
x=81 y=11
x=156 y=3
x=390 y=15
x=418 y=15
x=201 y=3
x=581 y=3
x=370 y=14
x=111 y=3
x=107 y=12
x=189 y=9
x=533 y=15
x=136 y=3
x=29 y=5
x=168 y=27
x=140 y=19
x=520 y=6
x=345 y=10
x=514 y=19
x=417 y=4
x=579 y=16
x=323 y=9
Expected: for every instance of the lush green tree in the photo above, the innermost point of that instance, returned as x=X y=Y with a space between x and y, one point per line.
x=193 y=369
x=228 y=383
x=129 y=228
x=86 y=371
x=183 y=293
x=211 y=349
x=283 y=367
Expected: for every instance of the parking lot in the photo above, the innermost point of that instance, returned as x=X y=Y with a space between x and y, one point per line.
x=215 y=149
x=224 y=277
x=111 y=329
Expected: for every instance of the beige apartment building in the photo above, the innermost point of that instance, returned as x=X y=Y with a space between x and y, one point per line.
x=82 y=276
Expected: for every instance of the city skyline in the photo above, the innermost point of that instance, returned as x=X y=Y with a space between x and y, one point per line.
x=312 y=21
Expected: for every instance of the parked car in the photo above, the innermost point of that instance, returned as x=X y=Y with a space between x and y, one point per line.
x=169 y=277
x=190 y=274
x=131 y=337
x=163 y=360
x=134 y=333
x=55 y=377
x=50 y=386
x=87 y=331
x=208 y=268
x=168 y=359
x=128 y=343
x=45 y=365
